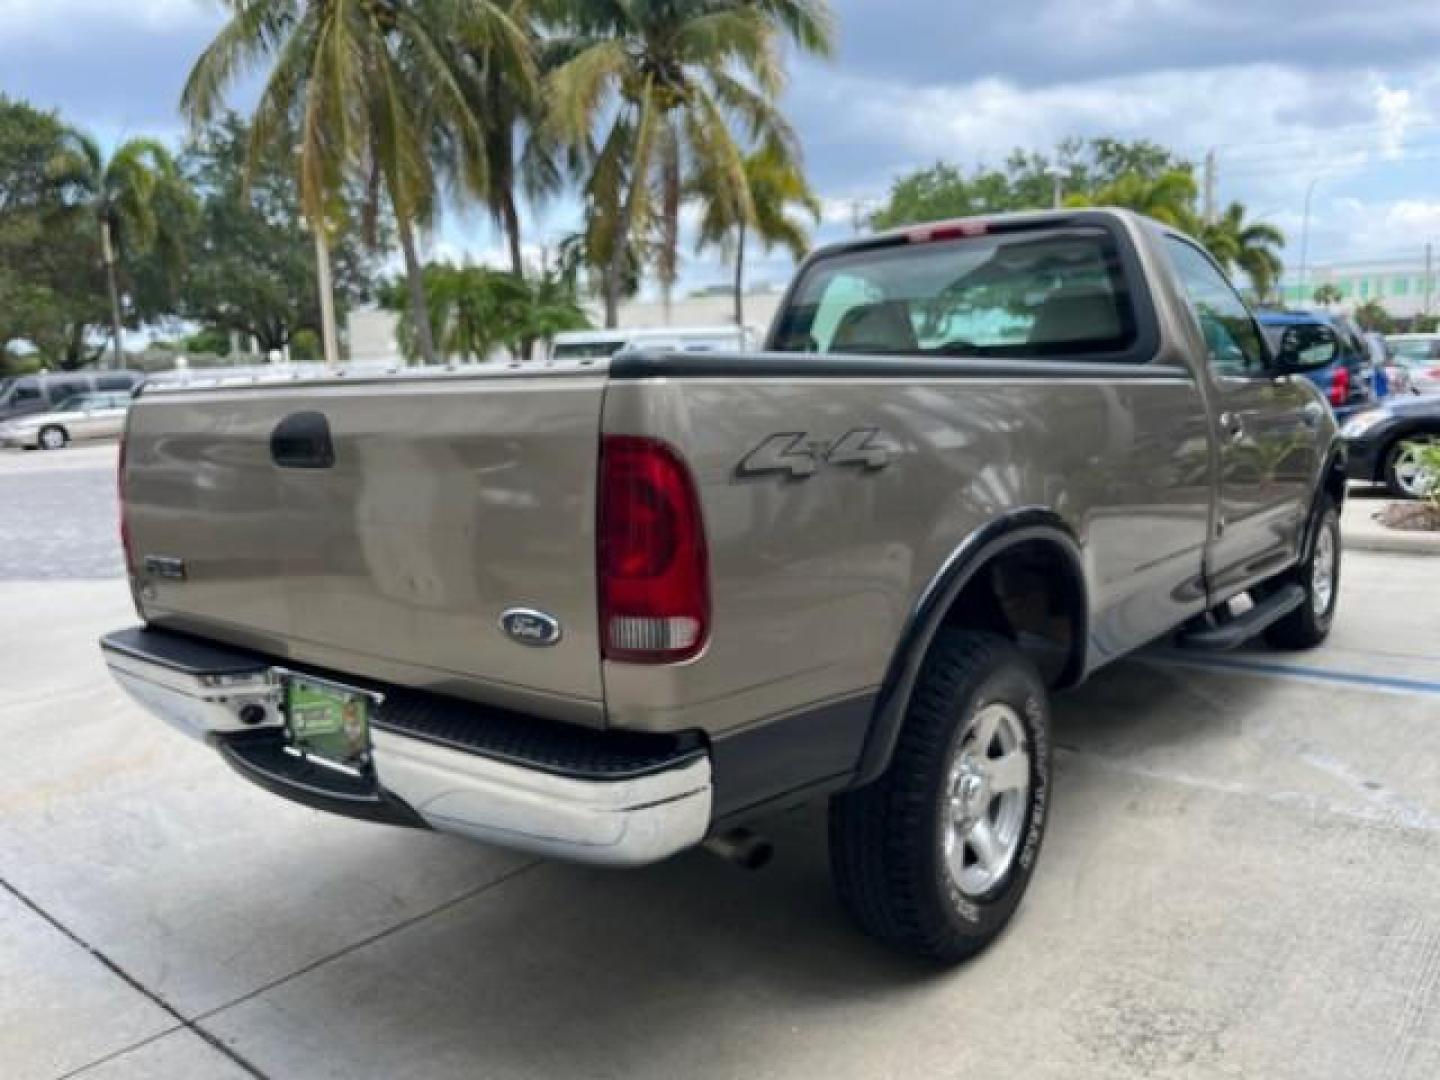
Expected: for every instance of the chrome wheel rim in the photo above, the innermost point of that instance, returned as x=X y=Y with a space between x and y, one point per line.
x=52 y=439
x=1322 y=571
x=986 y=793
x=1411 y=476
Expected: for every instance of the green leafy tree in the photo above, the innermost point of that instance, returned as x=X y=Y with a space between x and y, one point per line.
x=1327 y=294
x=776 y=185
x=476 y=310
x=253 y=264
x=1371 y=315
x=666 y=78
x=376 y=88
x=1167 y=197
x=1027 y=181
x=137 y=201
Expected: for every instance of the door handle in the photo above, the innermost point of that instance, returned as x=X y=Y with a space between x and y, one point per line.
x=1233 y=426
x=302 y=441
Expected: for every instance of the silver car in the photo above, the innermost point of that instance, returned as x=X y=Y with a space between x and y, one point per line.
x=84 y=416
x=1420 y=355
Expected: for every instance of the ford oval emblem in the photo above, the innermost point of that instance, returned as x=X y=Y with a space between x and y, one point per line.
x=530 y=627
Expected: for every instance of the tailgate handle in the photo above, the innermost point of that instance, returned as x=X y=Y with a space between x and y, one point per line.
x=302 y=441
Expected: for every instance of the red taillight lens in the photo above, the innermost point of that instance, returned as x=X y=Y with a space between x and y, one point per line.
x=124 y=518
x=654 y=577
x=1339 y=386
x=1433 y=373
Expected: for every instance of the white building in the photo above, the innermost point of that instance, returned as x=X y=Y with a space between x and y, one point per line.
x=1406 y=287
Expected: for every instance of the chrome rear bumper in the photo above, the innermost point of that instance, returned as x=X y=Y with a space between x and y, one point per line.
x=615 y=813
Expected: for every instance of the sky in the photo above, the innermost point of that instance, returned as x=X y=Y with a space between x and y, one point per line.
x=1338 y=99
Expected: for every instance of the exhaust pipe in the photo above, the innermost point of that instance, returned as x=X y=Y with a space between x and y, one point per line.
x=741 y=847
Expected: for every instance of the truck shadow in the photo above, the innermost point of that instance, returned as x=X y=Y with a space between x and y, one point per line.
x=568 y=971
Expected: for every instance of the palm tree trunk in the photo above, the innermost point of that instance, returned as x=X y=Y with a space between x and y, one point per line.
x=511 y=223
x=620 y=244
x=415 y=283
x=619 y=248
x=107 y=251
x=670 y=217
x=740 y=276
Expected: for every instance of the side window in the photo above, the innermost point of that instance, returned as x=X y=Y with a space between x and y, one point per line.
x=60 y=389
x=1231 y=336
x=114 y=382
x=25 y=392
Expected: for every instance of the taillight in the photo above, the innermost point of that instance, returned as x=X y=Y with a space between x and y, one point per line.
x=1433 y=373
x=1339 y=386
x=654 y=577
x=125 y=545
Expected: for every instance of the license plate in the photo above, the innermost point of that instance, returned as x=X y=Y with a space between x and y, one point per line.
x=329 y=724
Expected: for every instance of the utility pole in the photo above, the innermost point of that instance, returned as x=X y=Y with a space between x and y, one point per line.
x=1209 y=187
x=1429 y=277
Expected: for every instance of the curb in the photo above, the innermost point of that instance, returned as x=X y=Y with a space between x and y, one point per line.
x=1392 y=541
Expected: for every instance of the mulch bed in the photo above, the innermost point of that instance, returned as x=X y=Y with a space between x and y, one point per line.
x=1410 y=517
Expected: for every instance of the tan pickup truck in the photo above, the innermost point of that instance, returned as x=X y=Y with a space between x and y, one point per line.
x=610 y=612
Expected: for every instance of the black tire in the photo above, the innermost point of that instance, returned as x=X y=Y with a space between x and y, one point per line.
x=1309 y=624
x=58 y=437
x=1393 y=484
x=888 y=839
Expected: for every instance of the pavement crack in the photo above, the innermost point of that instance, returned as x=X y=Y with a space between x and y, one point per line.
x=379 y=935
x=135 y=984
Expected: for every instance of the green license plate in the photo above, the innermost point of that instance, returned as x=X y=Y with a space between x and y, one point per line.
x=329 y=723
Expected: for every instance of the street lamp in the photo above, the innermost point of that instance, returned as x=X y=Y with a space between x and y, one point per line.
x=1305 y=235
x=1056 y=175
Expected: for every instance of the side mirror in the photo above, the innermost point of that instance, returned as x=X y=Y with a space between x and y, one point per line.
x=1307 y=348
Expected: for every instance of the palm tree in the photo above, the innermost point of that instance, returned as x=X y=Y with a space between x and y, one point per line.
x=521 y=153
x=375 y=88
x=138 y=199
x=669 y=77
x=1168 y=197
x=1327 y=294
x=775 y=184
x=1252 y=246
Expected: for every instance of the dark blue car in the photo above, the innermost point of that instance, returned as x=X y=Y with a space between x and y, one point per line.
x=1350 y=381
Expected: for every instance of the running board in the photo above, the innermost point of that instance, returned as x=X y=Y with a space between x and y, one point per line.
x=1243 y=627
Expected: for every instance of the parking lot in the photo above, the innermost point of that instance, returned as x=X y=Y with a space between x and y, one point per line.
x=1240 y=880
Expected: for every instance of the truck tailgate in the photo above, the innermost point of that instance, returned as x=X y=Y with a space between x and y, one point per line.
x=446 y=501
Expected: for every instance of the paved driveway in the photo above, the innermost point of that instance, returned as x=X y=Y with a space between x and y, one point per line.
x=1240 y=881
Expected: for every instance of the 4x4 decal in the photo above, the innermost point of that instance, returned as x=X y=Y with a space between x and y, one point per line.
x=800 y=455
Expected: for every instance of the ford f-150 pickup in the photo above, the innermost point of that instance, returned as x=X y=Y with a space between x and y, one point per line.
x=610 y=612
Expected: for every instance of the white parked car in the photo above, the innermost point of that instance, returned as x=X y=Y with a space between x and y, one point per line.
x=1420 y=355
x=83 y=416
x=587 y=346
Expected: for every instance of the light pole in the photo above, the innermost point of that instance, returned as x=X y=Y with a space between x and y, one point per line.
x=1056 y=175
x=1305 y=235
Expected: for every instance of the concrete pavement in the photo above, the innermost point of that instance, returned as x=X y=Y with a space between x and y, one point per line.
x=1239 y=881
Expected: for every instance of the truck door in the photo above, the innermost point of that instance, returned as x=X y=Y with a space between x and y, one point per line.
x=1264 y=430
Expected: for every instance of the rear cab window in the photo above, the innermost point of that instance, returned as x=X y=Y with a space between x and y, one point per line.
x=1054 y=292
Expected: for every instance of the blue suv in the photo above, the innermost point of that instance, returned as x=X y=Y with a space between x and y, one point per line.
x=1350 y=381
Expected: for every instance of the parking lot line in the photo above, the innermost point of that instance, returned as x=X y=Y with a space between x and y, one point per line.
x=1393 y=684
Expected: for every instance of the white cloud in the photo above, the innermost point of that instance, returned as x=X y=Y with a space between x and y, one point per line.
x=64 y=20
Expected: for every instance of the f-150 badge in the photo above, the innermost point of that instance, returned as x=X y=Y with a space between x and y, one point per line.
x=800 y=454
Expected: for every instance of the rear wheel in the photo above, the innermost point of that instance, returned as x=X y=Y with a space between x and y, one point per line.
x=1406 y=475
x=53 y=437
x=934 y=856
x=1319 y=575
